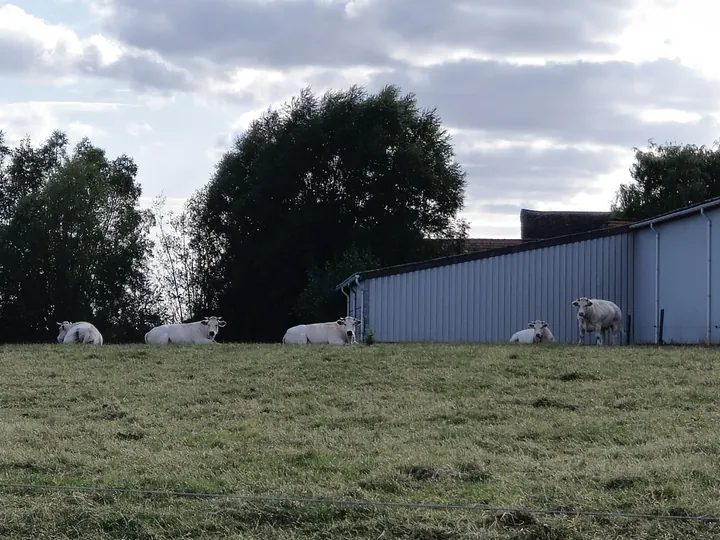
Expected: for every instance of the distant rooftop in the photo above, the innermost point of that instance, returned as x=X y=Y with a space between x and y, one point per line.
x=538 y=224
x=472 y=245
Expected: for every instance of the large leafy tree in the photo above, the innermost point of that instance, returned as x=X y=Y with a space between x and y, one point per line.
x=347 y=177
x=73 y=243
x=667 y=177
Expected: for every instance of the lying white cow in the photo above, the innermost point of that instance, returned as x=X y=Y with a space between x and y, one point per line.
x=334 y=333
x=537 y=332
x=79 y=332
x=595 y=315
x=204 y=331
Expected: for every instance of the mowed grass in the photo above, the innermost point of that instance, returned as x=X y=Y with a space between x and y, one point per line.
x=614 y=429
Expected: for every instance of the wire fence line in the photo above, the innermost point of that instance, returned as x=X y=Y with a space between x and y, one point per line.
x=560 y=512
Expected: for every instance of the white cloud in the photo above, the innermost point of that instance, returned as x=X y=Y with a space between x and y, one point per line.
x=78 y=130
x=38 y=119
x=54 y=53
x=137 y=130
x=480 y=141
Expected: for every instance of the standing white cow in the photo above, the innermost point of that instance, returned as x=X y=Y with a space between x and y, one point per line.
x=204 y=331
x=596 y=315
x=79 y=332
x=334 y=333
x=537 y=332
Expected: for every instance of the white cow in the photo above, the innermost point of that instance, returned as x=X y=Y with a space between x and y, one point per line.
x=334 y=333
x=596 y=315
x=537 y=332
x=79 y=332
x=204 y=331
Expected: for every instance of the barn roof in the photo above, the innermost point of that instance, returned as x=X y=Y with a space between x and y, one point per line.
x=477 y=255
x=611 y=228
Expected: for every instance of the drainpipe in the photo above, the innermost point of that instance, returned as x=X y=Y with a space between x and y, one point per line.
x=362 y=307
x=657 y=282
x=347 y=309
x=709 y=268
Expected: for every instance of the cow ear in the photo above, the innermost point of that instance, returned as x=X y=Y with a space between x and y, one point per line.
x=575 y=303
x=340 y=321
x=588 y=303
x=531 y=324
x=204 y=322
x=222 y=323
x=544 y=324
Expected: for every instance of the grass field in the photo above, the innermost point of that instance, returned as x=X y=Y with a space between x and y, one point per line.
x=592 y=428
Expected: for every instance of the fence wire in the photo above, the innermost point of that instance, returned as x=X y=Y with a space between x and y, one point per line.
x=561 y=512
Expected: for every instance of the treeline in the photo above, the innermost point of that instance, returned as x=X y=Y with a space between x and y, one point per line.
x=308 y=194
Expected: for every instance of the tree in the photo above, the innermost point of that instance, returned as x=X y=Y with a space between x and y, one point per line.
x=371 y=174
x=667 y=177
x=319 y=301
x=182 y=263
x=73 y=243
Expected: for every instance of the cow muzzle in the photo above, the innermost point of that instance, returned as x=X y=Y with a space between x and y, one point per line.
x=211 y=333
x=350 y=333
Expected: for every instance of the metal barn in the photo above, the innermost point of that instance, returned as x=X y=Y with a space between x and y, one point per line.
x=663 y=263
x=674 y=274
x=487 y=296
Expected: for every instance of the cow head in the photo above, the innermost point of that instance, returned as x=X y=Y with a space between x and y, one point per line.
x=582 y=304
x=348 y=325
x=538 y=327
x=64 y=327
x=213 y=325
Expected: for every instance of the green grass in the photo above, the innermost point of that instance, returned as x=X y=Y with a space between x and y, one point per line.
x=582 y=428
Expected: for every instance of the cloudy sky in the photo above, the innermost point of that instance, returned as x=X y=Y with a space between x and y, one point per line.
x=545 y=98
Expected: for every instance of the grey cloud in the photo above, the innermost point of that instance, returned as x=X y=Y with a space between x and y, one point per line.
x=141 y=71
x=281 y=33
x=503 y=209
x=16 y=57
x=306 y=32
x=522 y=27
x=522 y=174
x=579 y=102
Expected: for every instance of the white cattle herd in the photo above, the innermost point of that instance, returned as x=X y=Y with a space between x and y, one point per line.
x=593 y=315
x=205 y=331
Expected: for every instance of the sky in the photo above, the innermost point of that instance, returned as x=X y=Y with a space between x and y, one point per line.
x=545 y=99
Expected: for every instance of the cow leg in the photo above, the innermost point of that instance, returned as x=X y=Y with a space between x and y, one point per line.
x=582 y=335
x=599 y=338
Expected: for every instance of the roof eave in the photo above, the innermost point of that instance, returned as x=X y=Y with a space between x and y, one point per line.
x=348 y=280
x=676 y=214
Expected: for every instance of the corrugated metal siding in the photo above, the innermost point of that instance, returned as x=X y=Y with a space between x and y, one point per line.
x=683 y=280
x=487 y=300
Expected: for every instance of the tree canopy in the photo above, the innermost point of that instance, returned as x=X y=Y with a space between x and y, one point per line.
x=73 y=244
x=317 y=185
x=667 y=177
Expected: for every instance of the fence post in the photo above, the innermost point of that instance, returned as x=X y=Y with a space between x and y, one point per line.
x=629 y=329
x=662 y=325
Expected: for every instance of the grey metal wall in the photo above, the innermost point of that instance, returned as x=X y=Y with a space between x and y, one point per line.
x=487 y=300
x=683 y=275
